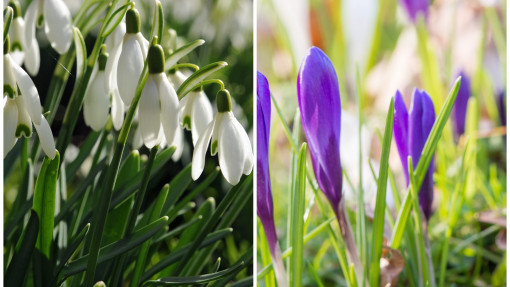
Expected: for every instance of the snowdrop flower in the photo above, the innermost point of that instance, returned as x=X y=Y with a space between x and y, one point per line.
x=195 y=108
x=21 y=110
x=229 y=140
x=158 y=111
x=56 y=18
x=131 y=58
x=20 y=49
x=97 y=101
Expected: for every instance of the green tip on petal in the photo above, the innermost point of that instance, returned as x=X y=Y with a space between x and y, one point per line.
x=156 y=59
x=40 y=21
x=132 y=21
x=17 y=9
x=16 y=46
x=103 y=58
x=186 y=122
x=7 y=45
x=223 y=101
x=10 y=91
x=23 y=130
x=214 y=147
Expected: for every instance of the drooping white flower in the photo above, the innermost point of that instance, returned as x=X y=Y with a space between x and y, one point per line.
x=56 y=18
x=113 y=47
x=158 y=110
x=23 y=51
x=229 y=140
x=131 y=58
x=195 y=109
x=22 y=109
x=97 y=98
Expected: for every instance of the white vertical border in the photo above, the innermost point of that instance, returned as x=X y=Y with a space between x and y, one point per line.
x=254 y=30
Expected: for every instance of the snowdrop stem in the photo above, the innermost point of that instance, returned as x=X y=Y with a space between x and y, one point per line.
x=211 y=81
x=176 y=67
x=8 y=15
x=7 y=45
x=16 y=8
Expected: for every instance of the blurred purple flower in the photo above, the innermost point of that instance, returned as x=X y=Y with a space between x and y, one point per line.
x=414 y=7
x=264 y=195
x=411 y=130
x=502 y=107
x=319 y=104
x=460 y=106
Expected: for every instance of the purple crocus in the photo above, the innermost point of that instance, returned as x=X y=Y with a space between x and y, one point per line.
x=460 y=106
x=319 y=104
x=411 y=130
x=264 y=195
x=415 y=7
x=501 y=102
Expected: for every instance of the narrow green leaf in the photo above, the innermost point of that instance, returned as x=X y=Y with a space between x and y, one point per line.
x=177 y=187
x=315 y=275
x=115 y=19
x=298 y=209
x=75 y=242
x=20 y=261
x=171 y=281
x=81 y=52
x=380 y=203
x=181 y=52
x=425 y=158
x=198 y=76
x=247 y=257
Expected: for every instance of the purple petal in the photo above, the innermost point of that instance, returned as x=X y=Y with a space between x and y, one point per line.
x=460 y=106
x=264 y=195
x=502 y=107
x=401 y=131
x=414 y=7
x=319 y=104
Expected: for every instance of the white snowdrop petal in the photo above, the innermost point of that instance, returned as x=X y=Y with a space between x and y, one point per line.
x=230 y=151
x=30 y=19
x=16 y=35
x=169 y=108
x=247 y=149
x=10 y=123
x=96 y=103
x=220 y=117
x=117 y=109
x=58 y=25
x=10 y=87
x=129 y=68
x=201 y=115
x=178 y=143
x=112 y=64
x=198 y=161
x=46 y=137
x=144 y=44
x=115 y=37
x=187 y=108
x=28 y=91
x=177 y=79
x=33 y=59
x=24 y=126
x=149 y=113
x=137 y=138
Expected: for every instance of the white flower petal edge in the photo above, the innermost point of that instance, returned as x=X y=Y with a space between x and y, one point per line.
x=33 y=59
x=231 y=152
x=117 y=109
x=169 y=107
x=30 y=19
x=96 y=103
x=16 y=33
x=46 y=137
x=58 y=25
x=144 y=44
x=29 y=92
x=220 y=117
x=202 y=115
x=129 y=68
x=149 y=117
x=24 y=126
x=198 y=161
x=248 y=151
x=9 y=79
x=10 y=123
x=179 y=144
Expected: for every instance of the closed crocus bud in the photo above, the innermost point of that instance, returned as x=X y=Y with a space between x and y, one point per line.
x=264 y=195
x=319 y=104
x=158 y=112
x=460 y=106
x=229 y=139
x=415 y=7
x=411 y=130
x=501 y=99
x=97 y=101
x=131 y=58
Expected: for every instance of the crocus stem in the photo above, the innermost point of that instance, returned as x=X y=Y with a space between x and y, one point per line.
x=350 y=243
x=427 y=251
x=279 y=268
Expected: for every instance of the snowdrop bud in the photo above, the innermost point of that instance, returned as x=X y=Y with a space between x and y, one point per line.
x=223 y=101
x=132 y=21
x=97 y=100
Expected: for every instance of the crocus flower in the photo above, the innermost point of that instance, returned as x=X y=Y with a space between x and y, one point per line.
x=501 y=102
x=319 y=104
x=131 y=58
x=21 y=51
x=158 y=111
x=22 y=109
x=411 y=130
x=264 y=195
x=97 y=100
x=57 y=23
x=415 y=7
x=460 y=106
x=229 y=140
